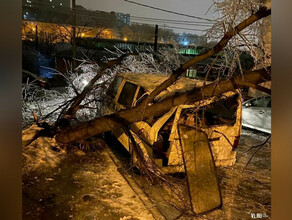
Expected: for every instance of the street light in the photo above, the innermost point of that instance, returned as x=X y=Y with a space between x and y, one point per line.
x=125 y=39
x=186 y=43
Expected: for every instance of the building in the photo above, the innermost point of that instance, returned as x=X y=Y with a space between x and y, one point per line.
x=60 y=12
x=85 y=17
x=46 y=4
x=123 y=19
x=46 y=10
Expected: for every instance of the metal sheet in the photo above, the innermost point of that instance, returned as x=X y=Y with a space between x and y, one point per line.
x=203 y=187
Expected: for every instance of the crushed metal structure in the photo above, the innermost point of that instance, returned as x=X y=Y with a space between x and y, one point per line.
x=191 y=139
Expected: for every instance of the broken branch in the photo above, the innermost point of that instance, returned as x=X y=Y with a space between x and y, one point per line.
x=78 y=99
x=261 y=13
x=138 y=113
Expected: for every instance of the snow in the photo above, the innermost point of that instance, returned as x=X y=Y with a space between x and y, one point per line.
x=73 y=184
x=41 y=155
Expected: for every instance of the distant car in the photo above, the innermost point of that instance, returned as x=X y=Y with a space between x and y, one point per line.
x=256 y=114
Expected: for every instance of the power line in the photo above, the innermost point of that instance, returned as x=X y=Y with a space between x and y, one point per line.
x=160 y=19
x=167 y=26
x=103 y=18
x=93 y=28
x=168 y=22
x=144 y=34
x=168 y=11
x=70 y=13
x=85 y=11
x=91 y=14
x=191 y=29
x=88 y=13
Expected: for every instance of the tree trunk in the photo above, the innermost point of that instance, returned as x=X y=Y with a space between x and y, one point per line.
x=143 y=111
x=139 y=113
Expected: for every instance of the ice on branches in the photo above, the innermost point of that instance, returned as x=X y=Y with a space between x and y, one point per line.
x=48 y=104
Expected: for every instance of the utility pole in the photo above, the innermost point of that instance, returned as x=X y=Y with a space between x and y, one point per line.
x=155 y=39
x=36 y=37
x=74 y=35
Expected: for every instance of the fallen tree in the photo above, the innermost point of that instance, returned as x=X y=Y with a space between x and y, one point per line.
x=149 y=108
x=261 y=13
x=141 y=112
x=152 y=106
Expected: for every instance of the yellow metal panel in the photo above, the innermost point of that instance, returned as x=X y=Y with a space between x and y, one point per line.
x=203 y=187
x=158 y=124
x=140 y=130
x=222 y=149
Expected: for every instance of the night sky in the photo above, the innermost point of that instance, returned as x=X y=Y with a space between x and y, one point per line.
x=191 y=7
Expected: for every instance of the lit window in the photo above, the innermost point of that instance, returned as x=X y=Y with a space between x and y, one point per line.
x=51 y=0
x=61 y=4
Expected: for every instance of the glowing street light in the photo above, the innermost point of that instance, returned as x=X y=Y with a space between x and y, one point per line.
x=125 y=39
x=186 y=43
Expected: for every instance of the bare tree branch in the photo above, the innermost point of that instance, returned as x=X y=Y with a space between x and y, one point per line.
x=74 y=106
x=261 y=13
x=138 y=113
x=259 y=147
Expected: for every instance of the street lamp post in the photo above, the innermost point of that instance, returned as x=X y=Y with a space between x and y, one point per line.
x=36 y=37
x=74 y=35
x=156 y=38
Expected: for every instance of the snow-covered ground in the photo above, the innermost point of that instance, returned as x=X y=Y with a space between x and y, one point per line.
x=244 y=192
x=77 y=186
x=70 y=184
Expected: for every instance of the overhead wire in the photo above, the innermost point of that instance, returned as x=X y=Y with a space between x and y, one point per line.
x=162 y=22
x=163 y=19
x=168 y=11
x=171 y=22
x=88 y=13
x=177 y=27
x=190 y=29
